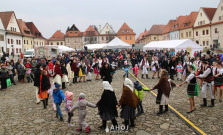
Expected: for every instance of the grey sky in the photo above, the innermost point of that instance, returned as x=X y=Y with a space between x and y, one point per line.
x=52 y=15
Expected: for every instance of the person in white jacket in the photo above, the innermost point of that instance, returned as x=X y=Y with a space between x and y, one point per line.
x=145 y=64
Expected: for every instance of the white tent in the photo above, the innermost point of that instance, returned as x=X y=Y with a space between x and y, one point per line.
x=178 y=45
x=65 y=48
x=116 y=43
x=95 y=46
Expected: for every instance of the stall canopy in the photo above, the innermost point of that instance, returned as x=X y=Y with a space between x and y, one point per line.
x=117 y=43
x=95 y=46
x=65 y=48
x=178 y=45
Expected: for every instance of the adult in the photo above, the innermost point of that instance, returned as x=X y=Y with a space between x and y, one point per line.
x=164 y=87
x=37 y=81
x=10 y=71
x=172 y=68
x=107 y=106
x=70 y=72
x=75 y=69
x=128 y=101
x=106 y=72
x=57 y=73
x=145 y=65
x=218 y=80
x=21 y=72
x=192 y=89
x=185 y=66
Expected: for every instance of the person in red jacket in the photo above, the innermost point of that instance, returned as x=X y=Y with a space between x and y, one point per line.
x=21 y=55
x=57 y=73
x=51 y=66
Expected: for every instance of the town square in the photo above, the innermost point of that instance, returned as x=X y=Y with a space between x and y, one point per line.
x=69 y=68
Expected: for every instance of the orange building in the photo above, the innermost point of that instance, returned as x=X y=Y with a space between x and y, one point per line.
x=126 y=34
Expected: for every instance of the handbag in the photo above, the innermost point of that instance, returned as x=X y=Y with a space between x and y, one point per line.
x=8 y=81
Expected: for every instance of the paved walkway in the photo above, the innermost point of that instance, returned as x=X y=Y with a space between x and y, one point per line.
x=20 y=115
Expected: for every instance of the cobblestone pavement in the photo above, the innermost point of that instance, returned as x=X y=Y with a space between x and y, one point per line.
x=20 y=115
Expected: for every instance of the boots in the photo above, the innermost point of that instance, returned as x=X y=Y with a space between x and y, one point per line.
x=103 y=126
x=160 y=110
x=88 y=129
x=205 y=103
x=57 y=116
x=63 y=85
x=73 y=80
x=44 y=104
x=61 y=118
x=212 y=103
x=166 y=109
x=126 y=125
x=142 y=76
x=132 y=123
x=115 y=124
x=147 y=77
x=46 y=101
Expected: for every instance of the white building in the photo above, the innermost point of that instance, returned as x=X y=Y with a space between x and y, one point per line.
x=106 y=34
x=13 y=33
x=175 y=30
x=2 y=38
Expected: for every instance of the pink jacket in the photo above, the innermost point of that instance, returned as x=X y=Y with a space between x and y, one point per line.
x=136 y=69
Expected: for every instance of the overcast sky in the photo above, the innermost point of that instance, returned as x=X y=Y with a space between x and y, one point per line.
x=52 y=15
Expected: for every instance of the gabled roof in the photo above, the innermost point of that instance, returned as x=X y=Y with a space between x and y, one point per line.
x=6 y=16
x=210 y=12
x=156 y=30
x=73 y=28
x=123 y=30
x=73 y=32
x=57 y=36
x=105 y=27
x=178 y=23
x=189 y=21
x=34 y=31
x=90 y=31
x=169 y=26
x=142 y=35
x=1 y=25
x=24 y=29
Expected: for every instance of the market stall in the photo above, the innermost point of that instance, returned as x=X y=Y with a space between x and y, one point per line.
x=117 y=43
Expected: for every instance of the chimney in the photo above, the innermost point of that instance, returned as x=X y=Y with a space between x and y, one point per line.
x=99 y=28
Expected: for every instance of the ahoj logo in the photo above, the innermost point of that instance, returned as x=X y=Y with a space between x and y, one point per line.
x=117 y=129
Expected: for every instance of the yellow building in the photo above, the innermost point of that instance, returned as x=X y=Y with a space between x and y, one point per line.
x=155 y=33
x=57 y=38
x=202 y=27
x=27 y=37
x=126 y=34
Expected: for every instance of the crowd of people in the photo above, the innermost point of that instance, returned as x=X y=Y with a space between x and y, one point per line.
x=200 y=70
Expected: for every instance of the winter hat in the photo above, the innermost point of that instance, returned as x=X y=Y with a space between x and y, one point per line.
x=136 y=83
x=128 y=83
x=125 y=62
x=81 y=96
x=57 y=85
x=69 y=94
x=107 y=86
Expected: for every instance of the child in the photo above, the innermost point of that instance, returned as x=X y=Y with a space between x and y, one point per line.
x=58 y=96
x=81 y=105
x=50 y=92
x=155 y=66
x=126 y=68
x=51 y=67
x=28 y=75
x=4 y=74
x=68 y=105
x=179 y=70
x=89 y=68
x=139 y=94
x=135 y=70
x=65 y=78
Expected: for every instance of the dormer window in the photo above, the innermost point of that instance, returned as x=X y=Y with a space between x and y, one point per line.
x=122 y=31
x=220 y=18
x=54 y=37
x=200 y=14
x=127 y=31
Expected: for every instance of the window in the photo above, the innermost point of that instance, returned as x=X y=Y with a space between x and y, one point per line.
x=203 y=43
x=220 y=18
x=11 y=29
x=57 y=43
x=51 y=43
x=198 y=23
x=2 y=38
x=122 y=31
x=182 y=35
x=31 y=42
x=24 y=42
x=61 y=43
x=203 y=32
x=200 y=14
x=216 y=30
x=15 y=29
x=127 y=31
x=207 y=43
x=20 y=50
x=126 y=38
x=106 y=38
x=203 y=22
x=12 y=41
x=37 y=42
x=196 y=33
x=17 y=50
x=207 y=32
x=154 y=38
x=189 y=33
x=27 y=41
x=69 y=40
x=8 y=41
x=17 y=42
x=222 y=8
x=119 y=37
x=130 y=38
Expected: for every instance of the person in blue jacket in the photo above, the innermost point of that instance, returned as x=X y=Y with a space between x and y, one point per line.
x=58 y=96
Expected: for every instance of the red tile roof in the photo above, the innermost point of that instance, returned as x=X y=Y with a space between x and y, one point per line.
x=169 y=26
x=156 y=30
x=210 y=12
x=142 y=35
x=57 y=36
x=6 y=16
x=178 y=23
x=90 y=31
x=73 y=32
x=189 y=21
x=123 y=30
x=24 y=29
x=34 y=31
